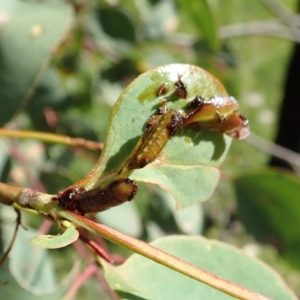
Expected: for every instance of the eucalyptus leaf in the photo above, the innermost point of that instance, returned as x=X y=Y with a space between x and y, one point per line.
x=124 y=218
x=204 y=15
x=13 y=290
x=190 y=220
x=187 y=166
x=188 y=184
x=29 y=273
x=269 y=207
x=159 y=19
x=56 y=241
x=37 y=273
x=116 y=24
x=31 y=32
x=140 y=278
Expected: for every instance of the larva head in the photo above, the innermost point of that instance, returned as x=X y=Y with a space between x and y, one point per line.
x=236 y=126
x=220 y=113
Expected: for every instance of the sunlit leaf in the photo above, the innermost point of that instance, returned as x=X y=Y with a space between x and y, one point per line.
x=188 y=164
x=140 y=278
x=188 y=184
x=56 y=241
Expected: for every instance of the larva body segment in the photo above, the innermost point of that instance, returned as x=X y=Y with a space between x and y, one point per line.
x=157 y=134
x=98 y=199
x=219 y=113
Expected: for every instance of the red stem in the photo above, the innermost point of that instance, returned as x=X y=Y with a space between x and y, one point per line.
x=80 y=280
x=97 y=248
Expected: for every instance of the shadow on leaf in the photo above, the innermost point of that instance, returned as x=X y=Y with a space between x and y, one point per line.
x=129 y=296
x=217 y=139
x=123 y=153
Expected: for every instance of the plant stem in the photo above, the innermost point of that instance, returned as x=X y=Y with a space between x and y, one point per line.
x=163 y=258
x=43 y=203
x=7 y=251
x=51 y=138
x=276 y=150
x=280 y=10
x=9 y=193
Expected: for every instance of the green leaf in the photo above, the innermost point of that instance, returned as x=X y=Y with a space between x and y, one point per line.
x=124 y=218
x=189 y=178
x=188 y=184
x=160 y=19
x=204 y=16
x=190 y=220
x=37 y=271
x=28 y=39
x=116 y=24
x=12 y=289
x=56 y=241
x=29 y=273
x=269 y=206
x=5 y=162
x=49 y=93
x=140 y=278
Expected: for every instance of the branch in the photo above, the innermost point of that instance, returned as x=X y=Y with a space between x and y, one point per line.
x=9 y=194
x=273 y=28
x=162 y=257
x=6 y=253
x=44 y=204
x=285 y=154
x=280 y=10
x=51 y=138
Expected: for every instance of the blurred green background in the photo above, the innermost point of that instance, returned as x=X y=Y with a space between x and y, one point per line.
x=64 y=64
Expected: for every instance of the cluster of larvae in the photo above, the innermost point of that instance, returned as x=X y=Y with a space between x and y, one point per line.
x=219 y=114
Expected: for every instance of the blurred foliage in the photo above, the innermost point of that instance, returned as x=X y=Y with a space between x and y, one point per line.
x=62 y=67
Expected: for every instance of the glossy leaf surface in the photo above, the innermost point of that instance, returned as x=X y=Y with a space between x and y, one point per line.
x=139 y=278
